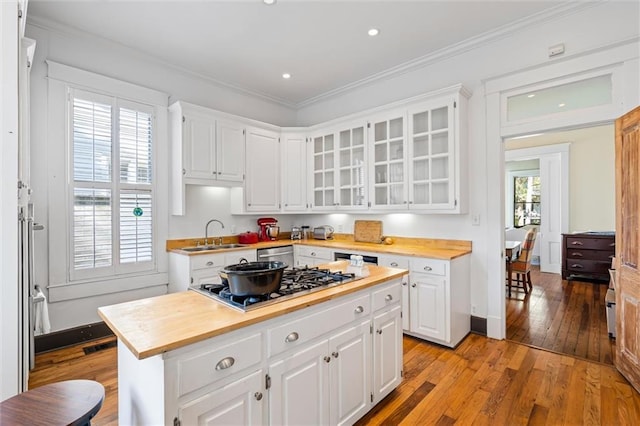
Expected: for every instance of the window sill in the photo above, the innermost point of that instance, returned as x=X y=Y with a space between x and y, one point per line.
x=107 y=285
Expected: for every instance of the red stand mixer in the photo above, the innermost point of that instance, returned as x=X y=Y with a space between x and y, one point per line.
x=269 y=229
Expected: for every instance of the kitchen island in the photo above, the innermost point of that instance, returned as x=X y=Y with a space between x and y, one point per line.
x=321 y=358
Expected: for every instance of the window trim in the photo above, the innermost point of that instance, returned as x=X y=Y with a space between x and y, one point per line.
x=61 y=79
x=509 y=193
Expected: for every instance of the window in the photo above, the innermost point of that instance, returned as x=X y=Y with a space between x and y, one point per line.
x=526 y=201
x=112 y=191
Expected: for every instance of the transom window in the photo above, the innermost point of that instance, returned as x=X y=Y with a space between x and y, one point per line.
x=112 y=191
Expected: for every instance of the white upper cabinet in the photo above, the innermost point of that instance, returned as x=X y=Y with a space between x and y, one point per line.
x=262 y=186
x=294 y=172
x=206 y=149
x=387 y=177
x=418 y=155
x=339 y=168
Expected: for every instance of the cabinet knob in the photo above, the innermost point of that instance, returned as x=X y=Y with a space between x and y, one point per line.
x=388 y=298
x=335 y=354
x=394 y=264
x=210 y=263
x=292 y=337
x=313 y=253
x=225 y=363
x=258 y=395
x=379 y=331
x=404 y=283
x=184 y=172
x=327 y=359
x=413 y=285
x=428 y=268
x=359 y=310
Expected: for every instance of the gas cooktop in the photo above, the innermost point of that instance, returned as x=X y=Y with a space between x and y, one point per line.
x=295 y=282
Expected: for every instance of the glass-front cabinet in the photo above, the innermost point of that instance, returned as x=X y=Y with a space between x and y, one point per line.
x=388 y=146
x=431 y=156
x=339 y=168
x=324 y=171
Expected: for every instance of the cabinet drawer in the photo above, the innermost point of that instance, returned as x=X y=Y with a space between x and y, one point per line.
x=591 y=243
x=429 y=266
x=309 y=327
x=207 y=261
x=591 y=266
x=589 y=254
x=387 y=296
x=205 y=368
x=393 y=262
x=316 y=252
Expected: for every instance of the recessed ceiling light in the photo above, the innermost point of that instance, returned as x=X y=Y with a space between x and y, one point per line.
x=373 y=32
x=286 y=76
x=269 y=2
x=531 y=95
x=561 y=105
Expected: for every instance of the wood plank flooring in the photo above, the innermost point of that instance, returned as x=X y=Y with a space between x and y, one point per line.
x=483 y=381
x=567 y=317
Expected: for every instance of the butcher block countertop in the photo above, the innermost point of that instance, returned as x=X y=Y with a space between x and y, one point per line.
x=417 y=247
x=159 y=324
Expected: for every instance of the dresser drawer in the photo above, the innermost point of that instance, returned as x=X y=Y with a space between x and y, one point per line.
x=591 y=243
x=207 y=261
x=308 y=327
x=204 y=368
x=588 y=266
x=429 y=266
x=387 y=296
x=589 y=254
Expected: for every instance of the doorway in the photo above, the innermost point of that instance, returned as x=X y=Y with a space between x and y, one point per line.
x=563 y=316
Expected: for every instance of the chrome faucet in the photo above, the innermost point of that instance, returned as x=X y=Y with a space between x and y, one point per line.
x=206 y=232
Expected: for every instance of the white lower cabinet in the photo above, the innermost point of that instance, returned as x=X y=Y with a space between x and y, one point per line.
x=428 y=310
x=311 y=256
x=191 y=271
x=241 y=402
x=327 y=364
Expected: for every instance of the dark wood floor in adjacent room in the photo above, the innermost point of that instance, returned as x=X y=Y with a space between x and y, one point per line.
x=563 y=316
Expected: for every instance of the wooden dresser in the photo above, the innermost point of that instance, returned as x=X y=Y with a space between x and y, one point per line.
x=587 y=255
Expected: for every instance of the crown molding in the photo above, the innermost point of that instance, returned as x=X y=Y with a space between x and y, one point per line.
x=67 y=31
x=559 y=11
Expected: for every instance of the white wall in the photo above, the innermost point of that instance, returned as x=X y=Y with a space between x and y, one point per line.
x=615 y=22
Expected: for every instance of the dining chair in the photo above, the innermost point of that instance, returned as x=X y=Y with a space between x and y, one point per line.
x=522 y=265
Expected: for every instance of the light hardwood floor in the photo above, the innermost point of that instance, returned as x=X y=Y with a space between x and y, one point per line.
x=482 y=381
x=568 y=317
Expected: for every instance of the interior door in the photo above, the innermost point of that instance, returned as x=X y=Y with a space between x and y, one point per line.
x=627 y=281
x=553 y=191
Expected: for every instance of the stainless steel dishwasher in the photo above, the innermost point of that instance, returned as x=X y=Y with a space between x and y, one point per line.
x=282 y=254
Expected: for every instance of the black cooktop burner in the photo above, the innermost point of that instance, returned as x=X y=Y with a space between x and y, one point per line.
x=295 y=282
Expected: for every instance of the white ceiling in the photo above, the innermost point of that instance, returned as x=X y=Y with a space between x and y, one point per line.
x=323 y=44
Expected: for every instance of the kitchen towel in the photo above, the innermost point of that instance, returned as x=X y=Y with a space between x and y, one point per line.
x=42 y=324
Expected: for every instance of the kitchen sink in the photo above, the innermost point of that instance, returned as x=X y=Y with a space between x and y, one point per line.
x=209 y=248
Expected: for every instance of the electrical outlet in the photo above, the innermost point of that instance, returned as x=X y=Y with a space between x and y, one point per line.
x=475 y=220
x=474 y=308
x=340 y=229
x=233 y=229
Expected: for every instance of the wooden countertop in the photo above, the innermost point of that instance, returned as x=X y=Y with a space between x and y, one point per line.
x=416 y=247
x=158 y=324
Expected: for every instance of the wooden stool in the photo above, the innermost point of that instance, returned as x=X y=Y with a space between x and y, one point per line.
x=73 y=402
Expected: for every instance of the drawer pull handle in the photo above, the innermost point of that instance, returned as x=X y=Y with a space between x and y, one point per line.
x=210 y=263
x=576 y=254
x=359 y=310
x=577 y=243
x=388 y=298
x=575 y=265
x=292 y=337
x=335 y=354
x=394 y=264
x=379 y=331
x=428 y=268
x=612 y=245
x=413 y=285
x=258 y=395
x=327 y=359
x=225 y=363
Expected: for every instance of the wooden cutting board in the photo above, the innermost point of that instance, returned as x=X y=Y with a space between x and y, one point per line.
x=367 y=231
